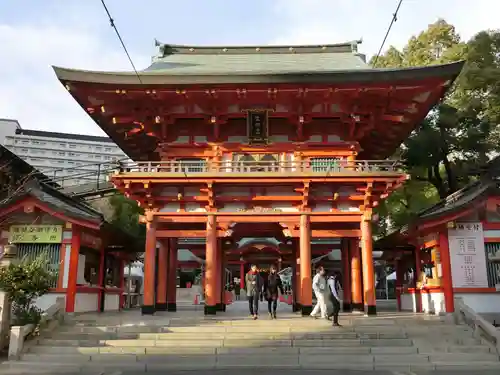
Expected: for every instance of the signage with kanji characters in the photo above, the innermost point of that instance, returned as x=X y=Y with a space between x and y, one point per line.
x=257 y=122
x=468 y=257
x=35 y=233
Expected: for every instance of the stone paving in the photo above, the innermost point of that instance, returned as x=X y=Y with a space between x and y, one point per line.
x=126 y=343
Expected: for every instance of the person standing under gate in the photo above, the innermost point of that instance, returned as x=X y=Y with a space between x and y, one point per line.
x=333 y=288
x=272 y=287
x=254 y=284
x=320 y=291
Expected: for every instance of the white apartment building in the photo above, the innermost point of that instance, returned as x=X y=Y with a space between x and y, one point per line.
x=69 y=159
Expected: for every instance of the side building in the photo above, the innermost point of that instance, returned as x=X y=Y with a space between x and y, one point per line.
x=69 y=159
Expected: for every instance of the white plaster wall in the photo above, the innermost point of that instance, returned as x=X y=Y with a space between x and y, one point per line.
x=232 y=207
x=278 y=138
x=285 y=207
x=200 y=138
x=111 y=302
x=86 y=302
x=47 y=300
x=491 y=233
x=192 y=191
x=194 y=207
x=334 y=138
x=481 y=302
x=171 y=207
x=234 y=192
x=169 y=192
x=67 y=255
x=322 y=207
x=281 y=191
x=408 y=302
x=347 y=207
x=433 y=303
x=315 y=138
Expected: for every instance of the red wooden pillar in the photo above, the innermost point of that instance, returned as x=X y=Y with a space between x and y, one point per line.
x=418 y=293
x=172 y=276
x=161 y=288
x=222 y=278
x=368 y=272
x=305 y=265
x=356 y=280
x=447 y=281
x=296 y=279
x=73 y=269
x=242 y=275
x=346 y=279
x=148 y=302
x=211 y=267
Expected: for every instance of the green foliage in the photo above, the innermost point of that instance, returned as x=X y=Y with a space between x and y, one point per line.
x=126 y=215
x=460 y=133
x=24 y=283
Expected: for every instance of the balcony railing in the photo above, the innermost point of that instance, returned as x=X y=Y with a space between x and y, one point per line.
x=271 y=167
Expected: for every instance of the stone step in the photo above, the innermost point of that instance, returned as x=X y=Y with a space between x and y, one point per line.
x=218 y=343
x=359 y=350
x=270 y=335
x=235 y=361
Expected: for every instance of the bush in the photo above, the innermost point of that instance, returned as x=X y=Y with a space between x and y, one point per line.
x=24 y=283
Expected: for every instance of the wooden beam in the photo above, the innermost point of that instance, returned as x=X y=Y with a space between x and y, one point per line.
x=186 y=233
x=317 y=233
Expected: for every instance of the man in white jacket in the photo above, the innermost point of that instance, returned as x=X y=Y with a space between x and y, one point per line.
x=320 y=291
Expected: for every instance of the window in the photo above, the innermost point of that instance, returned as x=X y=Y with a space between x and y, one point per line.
x=25 y=141
x=107 y=158
x=98 y=148
x=24 y=150
x=192 y=165
x=35 y=142
x=98 y=156
x=62 y=153
x=107 y=149
x=62 y=144
x=71 y=145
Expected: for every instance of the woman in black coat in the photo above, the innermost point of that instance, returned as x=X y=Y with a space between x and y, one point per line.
x=272 y=287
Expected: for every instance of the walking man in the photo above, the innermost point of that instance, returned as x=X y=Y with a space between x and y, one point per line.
x=320 y=291
x=333 y=288
x=254 y=284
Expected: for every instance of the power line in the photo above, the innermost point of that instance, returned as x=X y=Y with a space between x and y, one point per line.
x=394 y=19
x=112 y=23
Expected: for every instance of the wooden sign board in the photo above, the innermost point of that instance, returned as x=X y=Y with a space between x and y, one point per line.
x=35 y=233
x=257 y=126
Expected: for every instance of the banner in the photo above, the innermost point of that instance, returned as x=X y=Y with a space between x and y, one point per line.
x=35 y=233
x=257 y=126
x=468 y=256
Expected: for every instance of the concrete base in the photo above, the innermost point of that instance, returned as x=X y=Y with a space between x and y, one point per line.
x=161 y=307
x=371 y=310
x=147 y=309
x=306 y=310
x=221 y=307
x=210 y=310
x=358 y=307
x=296 y=307
x=171 y=306
x=346 y=307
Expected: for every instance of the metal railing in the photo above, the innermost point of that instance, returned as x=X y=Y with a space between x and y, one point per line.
x=281 y=167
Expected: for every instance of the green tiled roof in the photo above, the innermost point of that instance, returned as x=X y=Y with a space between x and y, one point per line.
x=195 y=60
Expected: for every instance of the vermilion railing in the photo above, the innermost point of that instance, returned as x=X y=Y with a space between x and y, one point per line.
x=283 y=167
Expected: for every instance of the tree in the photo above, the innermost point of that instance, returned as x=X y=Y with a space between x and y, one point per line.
x=24 y=282
x=458 y=134
x=126 y=215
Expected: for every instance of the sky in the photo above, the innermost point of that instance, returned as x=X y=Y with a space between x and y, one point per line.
x=36 y=34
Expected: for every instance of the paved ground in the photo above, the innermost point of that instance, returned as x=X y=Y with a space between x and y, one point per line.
x=298 y=372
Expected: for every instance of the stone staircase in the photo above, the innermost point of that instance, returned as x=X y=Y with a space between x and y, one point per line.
x=390 y=341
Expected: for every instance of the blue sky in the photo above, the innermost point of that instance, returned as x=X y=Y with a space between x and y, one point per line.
x=35 y=34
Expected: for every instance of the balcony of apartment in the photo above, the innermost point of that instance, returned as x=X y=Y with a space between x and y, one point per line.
x=320 y=167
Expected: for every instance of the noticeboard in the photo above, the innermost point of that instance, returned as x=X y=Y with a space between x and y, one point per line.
x=35 y=233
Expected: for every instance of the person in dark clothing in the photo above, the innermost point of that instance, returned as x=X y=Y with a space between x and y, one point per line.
x=254 y=284
x=237 y=289
x=334 y=288
x=273 y=285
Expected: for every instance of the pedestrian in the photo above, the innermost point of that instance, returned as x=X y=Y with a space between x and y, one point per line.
x=334 y=288
x=237 y=290
x=272 y=287
x=320 y=291
x=254 y=284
